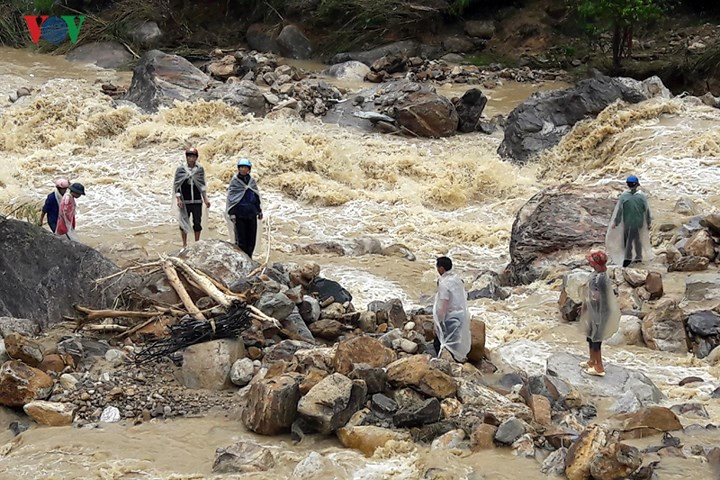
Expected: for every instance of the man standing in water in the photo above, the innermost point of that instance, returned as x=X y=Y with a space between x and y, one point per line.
x=190 y=194
x=600 y=313
x=450 y=315
x=52 y=204
x=67 y=211
x=630 y=227
x=243 y=206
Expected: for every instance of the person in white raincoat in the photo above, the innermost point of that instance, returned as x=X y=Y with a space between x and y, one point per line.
x=190 y=193
x=243 y=207
x=600 y=312
x=628 y=236
x=450 y=315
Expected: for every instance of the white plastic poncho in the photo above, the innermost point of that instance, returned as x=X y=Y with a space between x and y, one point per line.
x=196 y=177
x=600 y=314
x=236 y=191
x=451 y=316
x=628 y=234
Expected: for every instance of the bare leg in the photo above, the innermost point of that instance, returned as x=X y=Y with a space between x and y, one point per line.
x=184 y=238
x=197 y=236
x=598 y=362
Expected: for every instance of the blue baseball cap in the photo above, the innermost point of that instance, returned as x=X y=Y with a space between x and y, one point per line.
x=244 y=162
x=632 y=179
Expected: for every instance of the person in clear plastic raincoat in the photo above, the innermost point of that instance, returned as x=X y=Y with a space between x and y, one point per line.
x=190 y=193
x=243 y=207
x=600 y=312
x=628 y=235
x=451 y=318
x=68 y=211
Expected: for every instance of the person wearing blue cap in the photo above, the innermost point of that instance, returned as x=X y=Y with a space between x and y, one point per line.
x=243 y=206
x=628 y=237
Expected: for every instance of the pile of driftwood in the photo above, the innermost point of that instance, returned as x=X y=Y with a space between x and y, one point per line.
x=184 y=324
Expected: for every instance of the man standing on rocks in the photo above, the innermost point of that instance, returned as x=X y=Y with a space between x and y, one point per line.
x=243 y=207
x=52 y=204
x=600 y=313
x=630 y=227
x=450 y=315
x=190 y=194
x=67 y=212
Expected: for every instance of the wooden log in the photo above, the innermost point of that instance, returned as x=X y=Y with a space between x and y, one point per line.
x=100 y=314
x=203 y=282
x=175 y=282
x=111 y=328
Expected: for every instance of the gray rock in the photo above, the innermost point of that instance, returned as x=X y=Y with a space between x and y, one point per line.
x=262 y=38
x=509 y=431
x=487 y=285
x=295 y=324
x=103 y=54
x=540 y=122
x=375 y=378
x=244 y=95
x=458 y=44
x=351 y=70
x=159 y=79
x=374 y=117
x=115 y=357
x=276 y=305
x=147 y=34
x=43 y=276
x=284 y=350
x=627 y=403
x=405 y=345
x=629 y=332
x=704 y=323
x=614 y=384
x=207 y=365
x=685 y=206
x=452 y=58
x=470 y=108
x=383 y=405
x=407 y=47
x=554 y=464
x=309 y=309
x=23 y=326
x=110 y=415
x=480 y=28
x=330 y=404
x=663 y=328
x=414 y=416
x=242 y=372
x=243 y=457
x=294 y=44
x=3 y=352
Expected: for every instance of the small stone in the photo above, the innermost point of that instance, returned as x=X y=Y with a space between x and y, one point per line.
x=242 y=372
x=383 y=404
x=482 y=438
x=110 y=415
x=509 y=431
x=17 y=428
x=254 y=353
x=115 y=357
x=524 y=446
x=50 y=413
x=405 y=345
x=167 y=410
x=243 y=457
x=688 y=380
x=68 y=382
x=451 y=439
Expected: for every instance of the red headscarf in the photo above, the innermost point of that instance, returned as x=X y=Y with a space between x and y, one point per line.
x=598 y=260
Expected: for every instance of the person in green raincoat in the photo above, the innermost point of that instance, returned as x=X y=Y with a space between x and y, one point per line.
x=628 y=237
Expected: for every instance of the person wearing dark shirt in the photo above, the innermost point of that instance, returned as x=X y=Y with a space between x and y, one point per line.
x=243 y=206
x=52 y=204
x=190 y=194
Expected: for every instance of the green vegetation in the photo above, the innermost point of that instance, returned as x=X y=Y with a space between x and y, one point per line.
x=13 y=31
x=621 y=18
x=27 y=211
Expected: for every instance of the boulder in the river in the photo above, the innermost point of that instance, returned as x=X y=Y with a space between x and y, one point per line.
x=25 y=349
x=330 y=404
x=243 y=457
x=426 y=114
x=407 y=48
x=541 y=121
x=103 y=54
x=294 y=44
x=700 y=244
x=581 y=453
x=52 y=414
x=703 y=329
x=221 y=260
x=244 y=95
x=469 y=108
x=361 y=350
x=242 y=372
x=617 y=381
x=417 y=373
x=702 y=287
x=510 y=430
x=648 y=421
x=689 y=264
x=262 y=38
x=663 y=328
x=483 y=437
x=712 y=223
x=350 y=71
x=21 y=384
x=484 y=29
x=416 y=415
x=159 y=79
x=567 y=219
x=617 y=461
x=367 y=439
x=487 y=285
x=391 y=312
x=272 y=404
x=207 y=365
x=629 y=332
x=43 y=276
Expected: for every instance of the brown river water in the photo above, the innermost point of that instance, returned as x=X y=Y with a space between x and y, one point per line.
x=450 y=196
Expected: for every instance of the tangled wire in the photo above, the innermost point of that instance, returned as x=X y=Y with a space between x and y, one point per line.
x=191 y=332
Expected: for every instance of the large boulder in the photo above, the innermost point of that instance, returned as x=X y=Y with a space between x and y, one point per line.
x=21 y=384
x=541 y=121
x=367 y=439
x=417 y=373
x=207 y=365
x=484 y=29
x=703 y=330
x=330 y=404
x=361 y=350
x=159 y=79
x=615 y=384
x=617 y=461
x=276 y=305
x=458 y=44
x=24 y=349
x=700 y=244
x=243 y=457
x=470 y=108
x=427 y=114
x=221 y=260
x=43 y=276
x=702 y=287
x=581 y=453
x=52 y=414
x=272 y=404
x=564 y=220
x=244 y=95
x=712 y=223
x=407 y=48
x=146 y=34
x=663 y=328
x=649 y=421
x=294 y=44
x=351 y=70
x=262 y=38
x=102 y=54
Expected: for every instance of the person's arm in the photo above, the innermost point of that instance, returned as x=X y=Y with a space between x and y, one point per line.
x=618 y=215
x=178 y=189
x=259 y=207
x=203 y=186
x=442 y=309
x=647 y=215
x=44 y=212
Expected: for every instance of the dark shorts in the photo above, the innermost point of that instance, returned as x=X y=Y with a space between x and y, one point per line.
x=194 y=210
x=594 y=346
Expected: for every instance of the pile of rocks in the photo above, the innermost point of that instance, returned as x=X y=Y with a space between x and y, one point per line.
x=695 y=245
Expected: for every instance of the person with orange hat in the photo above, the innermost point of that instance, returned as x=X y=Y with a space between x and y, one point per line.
x=600 y=312
x=190 y=193
x=52 y=204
